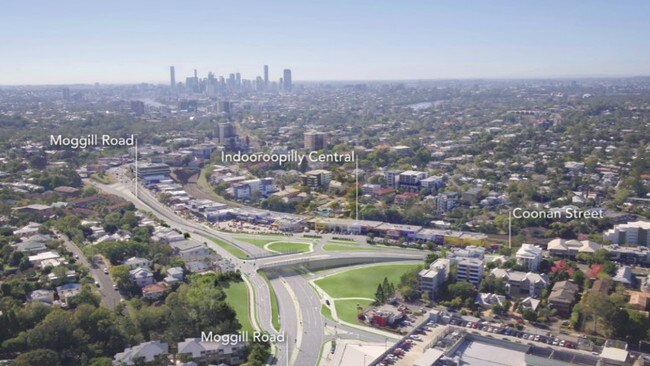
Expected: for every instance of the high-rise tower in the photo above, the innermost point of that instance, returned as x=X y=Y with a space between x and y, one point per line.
x=172 y=77
x=286 y=80
x=266 y=75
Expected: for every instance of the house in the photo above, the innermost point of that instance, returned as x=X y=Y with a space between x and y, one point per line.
x=429 y=280
x=68 y=291
x=67 y=191
x=44 y=296
x=154 y=291
x=141 y=277
x=624 y=275
x=563 y=296
x=213 y=352
x=197 y=266
x=639 y=300
x=530 y=303
x=472 y=195
x=174 y=274
x=37 y=209
x=570 y=248
x=136 y=262
x=522 y=284
x=147 y=351
x=28 y=230
x=487 y=300
x=167 y=235
x=34 y=244
x=529 y=256
x=44 y=259
x=189 y=250
x=601 y=287
x=69 y=275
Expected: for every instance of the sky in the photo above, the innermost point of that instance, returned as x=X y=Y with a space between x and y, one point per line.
x=117 y=41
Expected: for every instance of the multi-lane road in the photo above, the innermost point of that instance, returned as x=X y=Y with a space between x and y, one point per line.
x=299 y=305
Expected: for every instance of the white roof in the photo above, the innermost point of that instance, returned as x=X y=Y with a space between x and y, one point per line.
x=613 y=353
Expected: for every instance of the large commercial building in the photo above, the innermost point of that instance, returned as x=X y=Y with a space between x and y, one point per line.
x=266 y=75
x=392 y=178
x=410 y=180
x=430 y=280
x=319 y=178
x=632 y=233
x=469 y=270
x=227 y=135
x=315 y=140
x=152 y=172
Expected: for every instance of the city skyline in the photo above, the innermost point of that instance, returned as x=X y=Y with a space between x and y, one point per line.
x=133 y=43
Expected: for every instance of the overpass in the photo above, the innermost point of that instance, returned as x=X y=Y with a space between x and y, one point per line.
x=315 y=261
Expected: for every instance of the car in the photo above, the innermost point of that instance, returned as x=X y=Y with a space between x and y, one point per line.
x=474 y=325
x=537 y=338
x=96 y=283
x=562 y=342
x=114 y=287
x=105 y=270
x=556 y=342
x=469 y=325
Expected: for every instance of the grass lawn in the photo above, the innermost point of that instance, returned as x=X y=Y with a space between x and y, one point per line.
x=326 y=312
x=237 y=298
x=337 y=241
x=287 y=247
x=362 y=282
x=105 y=179
x=340 y=247
x=275 y=319
x=347 y=309
x=257 y=242
x=230 y=248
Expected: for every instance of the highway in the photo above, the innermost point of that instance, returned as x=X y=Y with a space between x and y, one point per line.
x=298 y=303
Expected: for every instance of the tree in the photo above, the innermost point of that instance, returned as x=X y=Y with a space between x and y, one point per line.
x=578 y=277
x=529 y=315
x=597 y=306
x=426 y=298
x=463 y=290
x=379 y=294
x=38 y=357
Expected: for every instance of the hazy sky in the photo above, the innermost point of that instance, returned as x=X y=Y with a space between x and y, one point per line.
x=116 y=41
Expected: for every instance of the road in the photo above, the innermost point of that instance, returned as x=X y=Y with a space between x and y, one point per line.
x=298 y=303
x=110 y=296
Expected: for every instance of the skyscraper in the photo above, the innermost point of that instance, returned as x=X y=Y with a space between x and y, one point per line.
x=286 y=80
x=172 y=77
x=266 y=75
